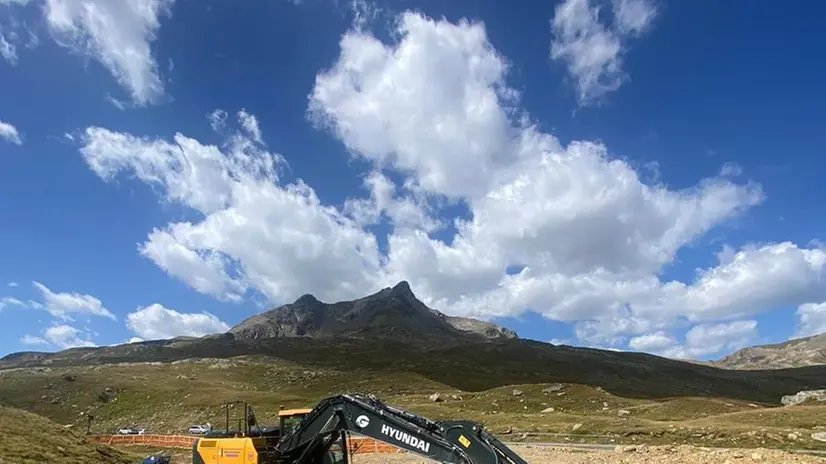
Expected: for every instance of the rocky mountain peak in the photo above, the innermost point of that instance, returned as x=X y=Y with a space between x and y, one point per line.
x=307 y=299
x=393 y=312
x=403 y=289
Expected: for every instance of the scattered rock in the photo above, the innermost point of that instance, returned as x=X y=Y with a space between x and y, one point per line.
x=456 y=397
x=517 y=392
x=626 y=448
x=548 y=410
x=803 y=396
x=793 y=436
x=623 y=412
x=553 y=388
x=508 y=431
x=435 y=397
x=819 y=436
x=576 y=426
x=756 y=457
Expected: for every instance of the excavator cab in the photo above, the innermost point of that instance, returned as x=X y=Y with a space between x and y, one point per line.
x=290 y=418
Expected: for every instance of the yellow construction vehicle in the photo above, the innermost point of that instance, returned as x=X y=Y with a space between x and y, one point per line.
x=249 y=443
x=320 y=436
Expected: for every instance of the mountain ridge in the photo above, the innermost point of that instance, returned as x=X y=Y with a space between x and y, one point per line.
x=799 y=352
x=391 y=331
x=391 y=311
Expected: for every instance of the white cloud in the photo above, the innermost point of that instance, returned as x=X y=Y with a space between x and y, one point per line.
x=7 y=301
x=652 y=342
x=13 y=284
x=65 y=337
x=250 y=125
x=155 y=322
x=249 y=219
x=12 y=2
x=731 y=169
x=32 y=340
x=8 y=50
x=592 y=51
x=217 y=119
x=10 y=133
x=64 y=305
x=116 y=33
x=812 y=319
x=708 y=339
x=61 y=336
x=590 y=236
x=633 y=16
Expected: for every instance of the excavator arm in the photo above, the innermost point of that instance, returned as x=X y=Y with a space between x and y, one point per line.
x=451 y=441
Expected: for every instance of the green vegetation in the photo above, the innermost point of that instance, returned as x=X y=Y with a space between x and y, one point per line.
x=167 y=398
x=30 y=439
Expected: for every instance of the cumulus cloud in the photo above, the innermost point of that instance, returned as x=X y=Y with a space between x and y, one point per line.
x=707 y=339
x=589 y=236
x=61 y=336
x=10 y=133
x=255 y=232
x=812 y=319
x=593 y=51
x=155 y=322
x=65 y=304
x=118 y=34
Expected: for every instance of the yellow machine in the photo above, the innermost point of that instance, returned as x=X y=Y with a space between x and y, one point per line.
x=249 y=444
x=320 y=436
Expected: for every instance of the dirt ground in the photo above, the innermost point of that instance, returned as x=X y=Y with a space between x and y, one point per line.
x=626 y=455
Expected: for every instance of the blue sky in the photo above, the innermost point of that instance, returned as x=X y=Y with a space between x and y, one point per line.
x=630 y=174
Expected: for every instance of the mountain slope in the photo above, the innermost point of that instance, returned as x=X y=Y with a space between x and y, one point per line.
x=393 y=332
x=391 y=313
x=808 y=351
x=30 y=438
x=471 y=366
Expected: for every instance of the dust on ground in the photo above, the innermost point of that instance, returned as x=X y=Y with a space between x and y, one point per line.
x=625 y=455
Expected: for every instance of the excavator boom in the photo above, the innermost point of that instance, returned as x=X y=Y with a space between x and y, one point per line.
x=451 y=441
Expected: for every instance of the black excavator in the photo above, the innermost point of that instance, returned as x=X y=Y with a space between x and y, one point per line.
x=320 y=436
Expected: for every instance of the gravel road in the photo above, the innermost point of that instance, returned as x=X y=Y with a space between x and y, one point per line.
x=626 y=455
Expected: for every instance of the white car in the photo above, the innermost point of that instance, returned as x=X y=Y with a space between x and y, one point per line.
x=199 y=429
x=131 y=431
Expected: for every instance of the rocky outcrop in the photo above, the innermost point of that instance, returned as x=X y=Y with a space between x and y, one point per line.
x=804 y=396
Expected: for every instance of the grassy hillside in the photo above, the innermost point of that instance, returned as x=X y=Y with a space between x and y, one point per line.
x=27 y=438
x=167 y=398
x=475 y=366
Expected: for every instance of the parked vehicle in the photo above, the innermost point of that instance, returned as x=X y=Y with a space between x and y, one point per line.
x=200 y=429
x=131 y=431
x=158 y=459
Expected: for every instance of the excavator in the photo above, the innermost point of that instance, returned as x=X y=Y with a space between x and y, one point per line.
x=320 y=436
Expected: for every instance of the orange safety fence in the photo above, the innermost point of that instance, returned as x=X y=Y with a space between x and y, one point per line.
x=163 y=441
x=356 y=445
